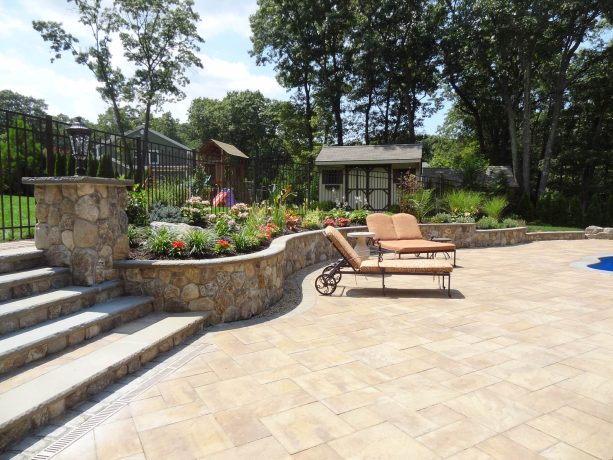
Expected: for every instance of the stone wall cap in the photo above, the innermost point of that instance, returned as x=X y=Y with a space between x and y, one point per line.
x=559 y=232
x=494 y=230
x=276 y=247
x=66 y=180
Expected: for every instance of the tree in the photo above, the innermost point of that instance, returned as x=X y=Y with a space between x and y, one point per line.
x=15 y=102
x=103 y=22
x=160 y=38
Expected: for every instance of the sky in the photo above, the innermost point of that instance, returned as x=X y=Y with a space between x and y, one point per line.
x=70 y=89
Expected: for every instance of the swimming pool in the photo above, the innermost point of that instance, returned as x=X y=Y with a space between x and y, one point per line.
x=606 y=264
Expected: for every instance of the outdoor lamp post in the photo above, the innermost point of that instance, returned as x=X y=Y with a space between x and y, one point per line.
x=79 y=143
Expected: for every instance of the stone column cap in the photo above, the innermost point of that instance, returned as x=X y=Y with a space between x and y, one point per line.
x=65 y=180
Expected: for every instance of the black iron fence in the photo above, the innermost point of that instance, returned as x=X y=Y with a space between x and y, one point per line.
x=165 y=173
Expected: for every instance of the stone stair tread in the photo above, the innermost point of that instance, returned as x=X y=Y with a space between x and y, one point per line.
x=20 y=253
x=26 y=276
x=16 y=306
x=29 y=337
x=61 y=381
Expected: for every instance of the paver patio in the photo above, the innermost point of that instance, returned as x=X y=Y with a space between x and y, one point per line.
x=518 y=364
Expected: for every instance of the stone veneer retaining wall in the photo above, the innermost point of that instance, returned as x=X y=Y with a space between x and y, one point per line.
x=230 y=288
x=467 y=235
x=82 y=224
x=239 y=287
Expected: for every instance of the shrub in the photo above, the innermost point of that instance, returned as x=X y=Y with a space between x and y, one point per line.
x=594 y=212
x=358 y=216
x=463 y=202
x=200 y=243
x=487 y=222
x=441 y=218
x=137 y=207
x=160 y=242
x=575 y=215
x=526 y=208
x=196 y=211
x=163 y=213
x=342 y=221
x=494 y=206
x=312 y=220
x=105 y=166
x=512 y=223
x=420 y=203
x=246 y=239
x=132 y=236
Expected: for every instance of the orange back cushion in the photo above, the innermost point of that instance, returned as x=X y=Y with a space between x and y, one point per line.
x=406 y=227
x=382 y=226
x=343 y=246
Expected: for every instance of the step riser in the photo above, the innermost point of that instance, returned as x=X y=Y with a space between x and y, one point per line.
x=35 y=287
x=56 y=309
x=15 y=431
x=27 y=355
x=10 y=265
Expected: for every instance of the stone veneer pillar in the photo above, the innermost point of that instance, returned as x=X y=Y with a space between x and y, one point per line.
x=82 y=224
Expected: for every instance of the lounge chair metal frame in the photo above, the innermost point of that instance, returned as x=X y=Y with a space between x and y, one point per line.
x=331 y=275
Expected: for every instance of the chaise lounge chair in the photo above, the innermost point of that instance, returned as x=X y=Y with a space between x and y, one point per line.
x=400 y=233
x=352 y=263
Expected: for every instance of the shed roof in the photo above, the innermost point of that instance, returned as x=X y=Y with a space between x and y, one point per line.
x=228 y=148
x=369 y=154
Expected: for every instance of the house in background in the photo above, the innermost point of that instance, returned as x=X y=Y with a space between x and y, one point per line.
x=225 y=164
x=163 y=153
x=365 y=173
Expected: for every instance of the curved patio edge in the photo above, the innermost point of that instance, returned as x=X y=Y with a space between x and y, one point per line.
x=240 y=287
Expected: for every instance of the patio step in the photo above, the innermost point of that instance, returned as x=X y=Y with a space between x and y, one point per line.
x=33 y=403
x=30 y=344
x=25 y=312
x=22 y=258
x=28 y=282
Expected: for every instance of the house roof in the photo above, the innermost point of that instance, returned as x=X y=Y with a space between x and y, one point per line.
x=139 y=131
x=228 y=148
x=369 y=154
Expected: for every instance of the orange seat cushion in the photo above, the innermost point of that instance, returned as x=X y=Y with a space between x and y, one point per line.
x=415 y=246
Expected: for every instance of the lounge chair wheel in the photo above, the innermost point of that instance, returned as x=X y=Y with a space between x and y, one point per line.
x=337 y=276
x=325 y=284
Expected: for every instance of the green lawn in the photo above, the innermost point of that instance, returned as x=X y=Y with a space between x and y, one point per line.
x=14 y=207
x=551 y=228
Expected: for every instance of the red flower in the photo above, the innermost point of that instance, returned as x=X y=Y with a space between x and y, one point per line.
x=223 y=243
x=178 y=244
x=329 y=222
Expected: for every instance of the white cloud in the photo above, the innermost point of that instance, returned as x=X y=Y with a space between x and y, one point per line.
x=223 y=18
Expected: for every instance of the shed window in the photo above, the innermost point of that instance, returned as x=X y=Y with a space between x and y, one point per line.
x=332 y=177
x=154 y=157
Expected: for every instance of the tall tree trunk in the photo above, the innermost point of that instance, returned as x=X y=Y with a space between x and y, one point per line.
x=526 y=138
x=367 y=118
x=553 y=131
x=512 y=132
x=308 y=114
x=386 y=123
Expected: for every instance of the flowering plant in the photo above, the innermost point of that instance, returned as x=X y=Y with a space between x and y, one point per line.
x=342 y=221
x=196 y=210
x=240 y=211
x=179 y=248
x=329 y=221
x=223 y=247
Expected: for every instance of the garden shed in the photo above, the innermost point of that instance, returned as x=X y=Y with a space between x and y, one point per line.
x=365 y=175
x=225 y=164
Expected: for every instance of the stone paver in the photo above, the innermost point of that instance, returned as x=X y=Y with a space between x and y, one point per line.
x=518 y=364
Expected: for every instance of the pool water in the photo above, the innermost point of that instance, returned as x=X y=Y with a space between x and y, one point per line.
x=606 y=263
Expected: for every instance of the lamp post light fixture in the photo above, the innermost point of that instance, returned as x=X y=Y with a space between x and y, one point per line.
x=79 y=135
